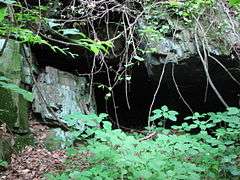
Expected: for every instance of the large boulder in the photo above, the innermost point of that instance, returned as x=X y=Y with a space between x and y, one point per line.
x=58 y=93
x=13 y=106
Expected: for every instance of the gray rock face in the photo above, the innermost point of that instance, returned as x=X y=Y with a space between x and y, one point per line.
x=13 y=107
x=57 y=94
x=218 y=33
x=169 y=40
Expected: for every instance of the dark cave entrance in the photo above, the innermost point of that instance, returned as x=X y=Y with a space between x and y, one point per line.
x=189 y=76
x=192 y=85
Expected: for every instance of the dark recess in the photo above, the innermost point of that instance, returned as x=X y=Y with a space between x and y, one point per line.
x=189 y=76
x=191 y=80
x=47 y=57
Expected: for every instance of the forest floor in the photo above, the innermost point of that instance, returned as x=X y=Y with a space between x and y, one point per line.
x=34 y=161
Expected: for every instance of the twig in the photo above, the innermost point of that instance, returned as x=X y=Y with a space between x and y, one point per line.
x=205 y=66
x=175 y=83
x=149 y=136
x=155 y=94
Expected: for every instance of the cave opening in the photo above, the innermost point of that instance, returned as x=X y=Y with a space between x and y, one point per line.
x=189 y=78
x=189 y=83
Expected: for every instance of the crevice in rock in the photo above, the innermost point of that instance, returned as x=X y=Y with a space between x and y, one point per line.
x=45 y=56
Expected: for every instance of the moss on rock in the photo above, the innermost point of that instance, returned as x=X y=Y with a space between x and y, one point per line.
x=13 y=107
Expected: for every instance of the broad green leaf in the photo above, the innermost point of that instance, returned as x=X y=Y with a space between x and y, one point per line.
x=101 y=117
x=176 y=127
x=3 y=163
x=107 y=125
x=173 y=112
x=3 y=13
x=91 y=123
x=75 y=175
x=13 y=87
x=234 y=171
x=233 y=111
x=157 y=115
x=3 y=78
x=172 y=117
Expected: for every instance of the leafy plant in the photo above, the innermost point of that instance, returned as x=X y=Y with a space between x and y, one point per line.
x=6 y=83
x=78 y=123
x=162 y=115
x=165 y=113
x=167 y=155
x=82 y=40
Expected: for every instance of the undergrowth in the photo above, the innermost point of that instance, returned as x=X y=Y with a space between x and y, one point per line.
x=211 y=152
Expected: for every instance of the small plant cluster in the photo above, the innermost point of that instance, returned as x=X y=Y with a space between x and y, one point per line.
x=189 y=8
x=78 y=124
x=212 y=152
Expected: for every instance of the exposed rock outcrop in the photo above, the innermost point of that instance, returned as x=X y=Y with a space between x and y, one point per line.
x=216 y=31
x=58 y=93
x=13 y=107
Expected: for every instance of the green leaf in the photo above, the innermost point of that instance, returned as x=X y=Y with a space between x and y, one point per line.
x=101 y=117
x=164 y=108
x=165 y=115
x=13 y=87
x=75 y=175
x=176 y=127
x=234 y=2
x=233 y=111
x=107 y=125
x=94 y=49
x=3 y=163
x=3 y=78
x=157 y=114
x=3 y=13
x=193 y=126
x=91 y=123
x=172 y=117
x=173 y=112
x=234 y=171
x=188 y=118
